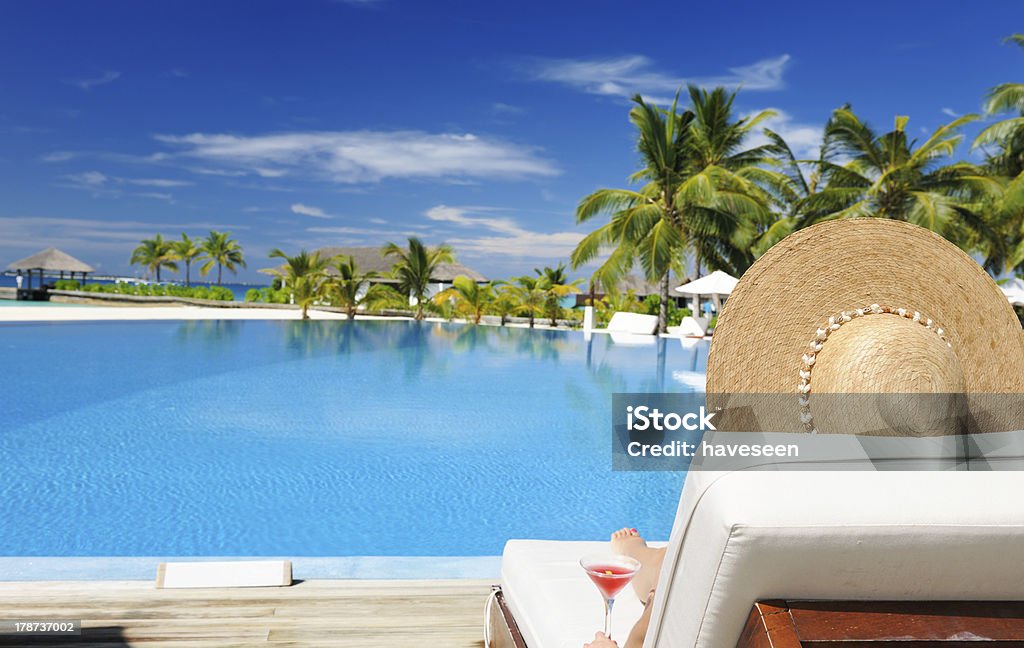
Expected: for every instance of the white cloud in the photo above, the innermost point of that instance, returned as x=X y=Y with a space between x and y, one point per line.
x=803 y=139
x=226 y=173
x=101 y=184
x=57 y=156
x=88 y=178
x=459 y=216
x=97 y=179
x=271 y=173
x=626 y=75
x=108 y=76
x=366 y=156
x=307 y=210
x=156 y=195
x=378 y=221
x=378 y=235
x=508 y=238
x=506 y=109
x=156 y=182
x=949 y=112
x=179 y=73
x=79 y=236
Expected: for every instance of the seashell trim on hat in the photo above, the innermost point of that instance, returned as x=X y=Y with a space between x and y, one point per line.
x=833 y=324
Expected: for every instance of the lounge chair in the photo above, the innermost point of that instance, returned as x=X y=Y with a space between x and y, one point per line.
x=632 y=323
x=691 y=327
x=750 y=544
x=631 y=329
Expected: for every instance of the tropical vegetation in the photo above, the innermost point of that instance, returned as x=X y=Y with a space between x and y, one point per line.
x=214 y=293
x=414 y=266
x=713 y=189
x=703 y=195
x=304 y=275
x=349 y=288
x=187 y=251
x=154 y=254
x=469 y=298
x=220 y=251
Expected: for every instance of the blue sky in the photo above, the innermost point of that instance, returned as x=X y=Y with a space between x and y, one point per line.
x=304 y=123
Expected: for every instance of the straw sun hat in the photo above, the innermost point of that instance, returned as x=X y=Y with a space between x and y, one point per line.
x=866 y=306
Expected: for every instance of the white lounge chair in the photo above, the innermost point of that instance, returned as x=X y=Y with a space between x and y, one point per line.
x=632 y=323
x=691 y=327
x=750 y=536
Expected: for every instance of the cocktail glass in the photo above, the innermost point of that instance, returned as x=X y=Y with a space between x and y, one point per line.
x=610 y=573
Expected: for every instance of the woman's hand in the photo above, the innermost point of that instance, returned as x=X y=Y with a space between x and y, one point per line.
x=601 y=641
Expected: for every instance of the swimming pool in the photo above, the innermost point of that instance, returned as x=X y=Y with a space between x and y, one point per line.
x=321 y=438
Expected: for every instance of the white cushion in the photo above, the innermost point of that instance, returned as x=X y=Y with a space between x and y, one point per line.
x=690 y=327
x=553 y=601
x=741 y=537
x=623 y=322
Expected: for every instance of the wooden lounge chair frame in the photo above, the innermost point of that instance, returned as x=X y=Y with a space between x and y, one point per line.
x=847 y=624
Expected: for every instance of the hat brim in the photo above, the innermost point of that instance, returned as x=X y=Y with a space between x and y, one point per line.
x=772 y=314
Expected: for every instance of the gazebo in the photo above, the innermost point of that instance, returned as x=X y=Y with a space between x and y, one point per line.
x=50 y=261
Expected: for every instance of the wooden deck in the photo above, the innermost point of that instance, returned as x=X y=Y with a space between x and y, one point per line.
x=312 y=613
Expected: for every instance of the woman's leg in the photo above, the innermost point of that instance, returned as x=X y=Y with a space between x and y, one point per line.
x=629 y=543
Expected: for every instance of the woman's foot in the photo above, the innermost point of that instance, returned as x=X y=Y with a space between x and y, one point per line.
x=629 y=543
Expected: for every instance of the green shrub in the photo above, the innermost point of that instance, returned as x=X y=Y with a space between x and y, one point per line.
x=272 y=296
x=220 y=293
x=253 y=295
x=651 y=304
x=66 y=284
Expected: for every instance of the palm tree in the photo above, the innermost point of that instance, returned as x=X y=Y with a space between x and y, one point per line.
x=154 y=253
x=349 y=288
x=556 y=285
x=221 y=250
x=188 y=251
x=505 y=302
x=702 y=194
x=305 y=274
x=414 y=267
x=470 y=298
x=890 y=176
x=744 y=190
x=383 y=297
x=1006 y=163
x=614 y=302
x=1008 y=134
x=529 y=293
x=643 y=223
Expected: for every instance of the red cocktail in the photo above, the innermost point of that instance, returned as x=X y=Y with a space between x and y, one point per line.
x=610 y=573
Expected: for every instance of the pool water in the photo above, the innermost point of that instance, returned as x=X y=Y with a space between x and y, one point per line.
x=319 y=438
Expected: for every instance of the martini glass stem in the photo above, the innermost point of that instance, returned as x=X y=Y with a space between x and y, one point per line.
x=608 y=604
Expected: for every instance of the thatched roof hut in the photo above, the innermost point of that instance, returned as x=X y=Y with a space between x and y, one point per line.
x=640 y=286
x=51 y=260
